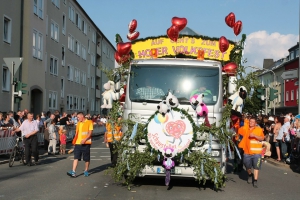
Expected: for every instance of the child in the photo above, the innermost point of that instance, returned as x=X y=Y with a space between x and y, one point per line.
x=63 y=142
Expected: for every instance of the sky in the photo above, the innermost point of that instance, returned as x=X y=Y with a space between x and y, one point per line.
x=271 y=26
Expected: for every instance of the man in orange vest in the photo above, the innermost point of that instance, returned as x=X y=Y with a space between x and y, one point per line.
x=112 y=135
x=252 y=145
x=82 y=142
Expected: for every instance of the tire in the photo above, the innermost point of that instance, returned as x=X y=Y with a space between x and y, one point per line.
x=12 y=157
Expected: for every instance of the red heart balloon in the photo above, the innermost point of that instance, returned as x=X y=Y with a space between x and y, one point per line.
x=230 y=19
x=124 y=48
x=230 y=69
x=133 y=36
x=175 y=129
x=132 y=25
x=238 y=26
x=173 y=33
x=179 y=22
x=121 y=59
x=223 y=44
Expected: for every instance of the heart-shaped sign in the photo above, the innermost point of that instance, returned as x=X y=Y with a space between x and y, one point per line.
x=132 y=25
x=223 y=44
x=133 y=36
x=179 y=22
x=124 y=48
x=238 y=26
x=121 y=59
x=175 y=129
x=230 y=69
x=173 y=33
x=230 y=19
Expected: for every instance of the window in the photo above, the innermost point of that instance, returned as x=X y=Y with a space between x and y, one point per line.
x=62 y=87
x=78 y=20
x=88 y=97
x=56 y=3
x=70 y=73
x=71 y=42
x=52 y=100
x=76 y=103
x=35 y=6
x=40 y=4
x=83 y=78
x=94 y=37
x=93 y=61
x=37 y=43
x=77 y=75
x=69 y=102
x=292 y=55
x=83 y=50
x=53 y=65
x=89 y=70
x=292 y=95
x=65 y=2
x=82 y=103
x=5 y=79
x=92 y=105
x=77 y=47
x=7 y=30
x=88 y=46
x=63 y=56
x=71 y=13
x=64 y=25
x=92 y=82
x=287 y=96
x=84 y=27
x=54 y=30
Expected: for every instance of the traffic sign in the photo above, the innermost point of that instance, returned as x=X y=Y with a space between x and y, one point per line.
x=290 y=74
x=16 y=60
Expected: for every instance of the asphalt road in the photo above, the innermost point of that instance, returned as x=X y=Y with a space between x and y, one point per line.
x=50 y=181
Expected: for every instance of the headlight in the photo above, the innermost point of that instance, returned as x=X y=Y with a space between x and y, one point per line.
x=215 y=153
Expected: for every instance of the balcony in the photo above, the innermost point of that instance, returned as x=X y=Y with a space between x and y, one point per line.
x=98 y=50
x=98 y=95
x=98 y=72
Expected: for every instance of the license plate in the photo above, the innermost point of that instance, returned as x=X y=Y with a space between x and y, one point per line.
x=161 y=170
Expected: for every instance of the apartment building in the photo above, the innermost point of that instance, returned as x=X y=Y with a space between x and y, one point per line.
x=63 y=50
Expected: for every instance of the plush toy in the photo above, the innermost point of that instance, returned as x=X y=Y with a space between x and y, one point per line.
x=168 y=163
x=172 y=100
x=108 y=94
x=237 y=101
x=201 y=110
x=163 y=108
x=196 y=99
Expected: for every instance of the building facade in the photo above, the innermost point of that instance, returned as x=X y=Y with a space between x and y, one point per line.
x=63 y=52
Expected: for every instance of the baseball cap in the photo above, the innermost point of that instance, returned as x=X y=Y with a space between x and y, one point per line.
x=271 y=119
x=287 y=116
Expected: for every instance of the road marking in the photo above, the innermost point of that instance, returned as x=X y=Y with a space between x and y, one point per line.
x=105 y=156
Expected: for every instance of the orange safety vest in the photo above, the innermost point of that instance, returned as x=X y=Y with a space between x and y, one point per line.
x=113 y=135
x=250 y=145
x=84 y=132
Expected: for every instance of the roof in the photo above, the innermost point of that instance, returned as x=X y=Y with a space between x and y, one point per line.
x=188 y=31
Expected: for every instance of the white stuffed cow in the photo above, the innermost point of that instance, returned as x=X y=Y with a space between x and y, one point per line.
x=108 y=95
x=237 y=101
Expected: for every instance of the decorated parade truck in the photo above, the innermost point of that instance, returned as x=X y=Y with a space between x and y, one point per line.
x=177 y=104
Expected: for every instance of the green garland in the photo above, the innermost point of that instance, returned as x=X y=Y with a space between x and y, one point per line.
x=131 y=162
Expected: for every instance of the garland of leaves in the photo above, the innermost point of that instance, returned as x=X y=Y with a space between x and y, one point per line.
x=131 y=161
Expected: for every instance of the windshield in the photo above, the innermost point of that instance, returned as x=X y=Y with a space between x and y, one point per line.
x=151 y=83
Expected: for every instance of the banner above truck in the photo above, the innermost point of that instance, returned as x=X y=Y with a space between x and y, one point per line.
x=188 y=45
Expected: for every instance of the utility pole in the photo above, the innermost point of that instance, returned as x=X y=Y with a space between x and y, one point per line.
x=266 y=106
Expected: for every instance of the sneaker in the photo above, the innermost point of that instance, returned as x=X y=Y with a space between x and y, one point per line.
x=249 y=180
x=71 y=173
x=255 y=184
x=86 y=173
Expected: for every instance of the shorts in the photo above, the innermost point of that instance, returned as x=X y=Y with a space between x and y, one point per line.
x=276 y=143
x=82 y=151
x=63 y=147
x=252 y=161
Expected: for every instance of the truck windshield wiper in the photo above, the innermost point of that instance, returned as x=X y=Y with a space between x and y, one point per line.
x=146 y=100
